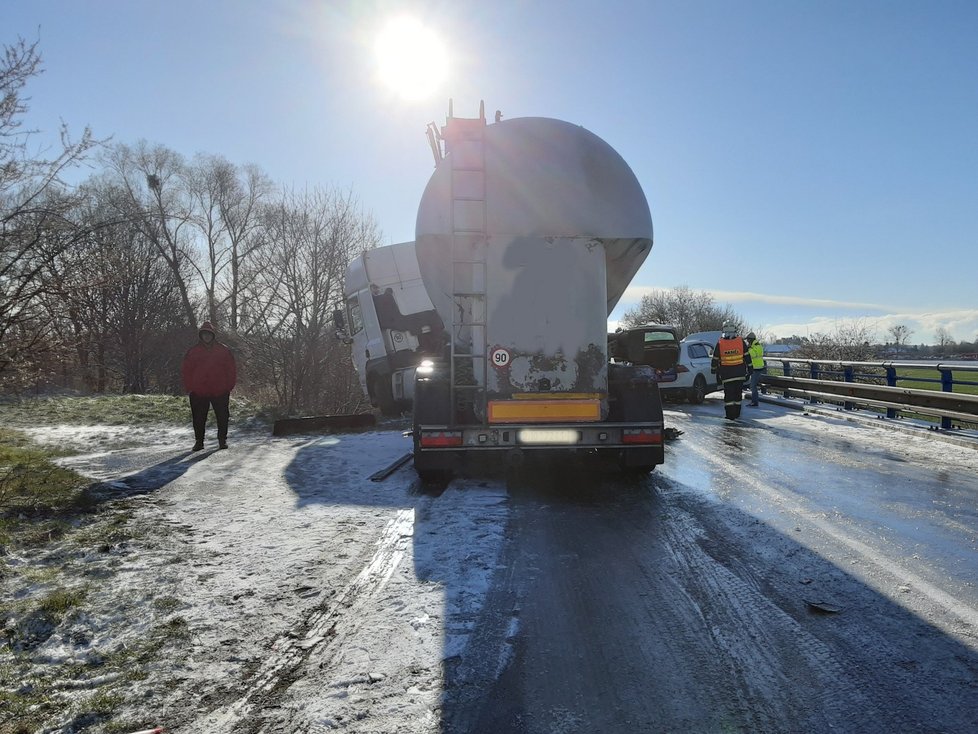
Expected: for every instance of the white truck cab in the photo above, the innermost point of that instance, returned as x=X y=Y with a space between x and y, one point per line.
x=390 y=324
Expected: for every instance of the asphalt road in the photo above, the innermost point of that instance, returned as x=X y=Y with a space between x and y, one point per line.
x=784 y=573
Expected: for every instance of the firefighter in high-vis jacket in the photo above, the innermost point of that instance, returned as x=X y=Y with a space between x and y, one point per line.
x=730 y=360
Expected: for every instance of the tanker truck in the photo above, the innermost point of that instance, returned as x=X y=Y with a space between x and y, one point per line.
x=527 y=234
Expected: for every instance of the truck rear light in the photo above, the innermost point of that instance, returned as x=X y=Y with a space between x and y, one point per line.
x=440 y=439
x=646 y=436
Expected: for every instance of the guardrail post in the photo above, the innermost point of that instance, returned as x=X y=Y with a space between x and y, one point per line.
x=947 y=385
x=786 y=371
x=847 y=376
x=891 y=381
x=813 y=370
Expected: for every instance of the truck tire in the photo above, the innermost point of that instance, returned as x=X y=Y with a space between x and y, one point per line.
x=382 y=396
x=639 y=461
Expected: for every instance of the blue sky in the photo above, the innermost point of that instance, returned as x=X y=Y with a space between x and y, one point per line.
x=811 y=163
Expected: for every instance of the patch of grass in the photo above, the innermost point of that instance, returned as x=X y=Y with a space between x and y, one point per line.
x=37 y=497
x=23 y=705
x=166 y=604
x=102 y=703
x=96 y=410
x=176 y=628
x=61 y=601
x=106 y=533
x=114 y=410
x=906 y=377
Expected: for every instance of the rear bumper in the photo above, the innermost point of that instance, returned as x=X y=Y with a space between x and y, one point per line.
x=534 y=437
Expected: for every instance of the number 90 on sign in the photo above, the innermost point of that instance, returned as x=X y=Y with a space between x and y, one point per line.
x=499 y=357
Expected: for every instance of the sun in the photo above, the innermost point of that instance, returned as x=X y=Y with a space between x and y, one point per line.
x=411 y=59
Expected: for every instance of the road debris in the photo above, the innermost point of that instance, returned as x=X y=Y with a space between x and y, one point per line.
x=823 y=607
x=381 y=475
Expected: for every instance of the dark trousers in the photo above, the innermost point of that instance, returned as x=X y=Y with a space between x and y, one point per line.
x=199 y=407
x=733 y=394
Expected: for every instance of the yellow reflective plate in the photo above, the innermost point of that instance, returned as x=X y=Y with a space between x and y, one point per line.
x=542 y=411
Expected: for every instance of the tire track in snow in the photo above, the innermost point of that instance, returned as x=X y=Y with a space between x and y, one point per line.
x=753 y=634
x=289 y=650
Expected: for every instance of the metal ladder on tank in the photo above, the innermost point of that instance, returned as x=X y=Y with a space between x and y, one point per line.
x=465 y=139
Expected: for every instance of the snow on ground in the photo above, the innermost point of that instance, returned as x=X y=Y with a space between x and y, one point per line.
x=276 y=583
x=275 y=561
x=917 y=440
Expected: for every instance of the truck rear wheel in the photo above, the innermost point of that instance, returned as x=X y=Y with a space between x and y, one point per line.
x=637 y=462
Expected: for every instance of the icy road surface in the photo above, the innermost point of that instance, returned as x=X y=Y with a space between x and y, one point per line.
x=785 y=573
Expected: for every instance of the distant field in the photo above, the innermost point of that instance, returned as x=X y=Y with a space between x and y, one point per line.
x=914 y=378
x=909 y=377
x=926 y=373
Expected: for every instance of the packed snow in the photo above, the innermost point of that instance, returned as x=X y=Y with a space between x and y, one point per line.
x=276 y=561
x=275 y=582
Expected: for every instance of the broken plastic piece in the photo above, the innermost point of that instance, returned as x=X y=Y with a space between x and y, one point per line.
x=823 y=607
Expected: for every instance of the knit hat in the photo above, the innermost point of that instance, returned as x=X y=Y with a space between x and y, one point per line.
x=206 y=326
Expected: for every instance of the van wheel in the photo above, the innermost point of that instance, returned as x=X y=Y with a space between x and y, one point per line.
x=698 y=392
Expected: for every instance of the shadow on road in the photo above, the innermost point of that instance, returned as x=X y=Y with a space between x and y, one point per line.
x=149 y=479
x=643 y=606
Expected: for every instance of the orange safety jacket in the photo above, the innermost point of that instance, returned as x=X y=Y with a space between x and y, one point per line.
x=729 y=358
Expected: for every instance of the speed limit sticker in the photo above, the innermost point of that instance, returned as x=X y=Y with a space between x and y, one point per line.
x=500 y=357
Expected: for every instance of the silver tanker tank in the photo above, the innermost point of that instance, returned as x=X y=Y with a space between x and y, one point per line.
x=527 y=235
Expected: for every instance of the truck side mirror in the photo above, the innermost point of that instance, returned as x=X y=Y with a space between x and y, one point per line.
x=339 y=322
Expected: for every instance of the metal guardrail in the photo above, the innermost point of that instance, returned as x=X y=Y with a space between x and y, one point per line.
x=944 y=404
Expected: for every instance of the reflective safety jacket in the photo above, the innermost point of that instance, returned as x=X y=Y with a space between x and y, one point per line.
x=756 y=353
x=730 y=358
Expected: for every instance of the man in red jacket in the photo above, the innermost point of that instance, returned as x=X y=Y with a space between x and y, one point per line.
x=209 y=375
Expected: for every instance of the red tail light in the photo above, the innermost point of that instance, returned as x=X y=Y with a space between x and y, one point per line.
x=440 y=439
x=643 y=436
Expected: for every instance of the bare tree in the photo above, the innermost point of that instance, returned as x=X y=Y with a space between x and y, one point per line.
x=154 y=179
x=227 y=212
x=850 y=341
x=118 y=302
x=295 y=286
x=943 y=338
x=688 y=310
x=900 y=334
x=34 y=203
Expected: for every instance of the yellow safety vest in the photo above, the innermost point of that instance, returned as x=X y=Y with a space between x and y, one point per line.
x=756 y=352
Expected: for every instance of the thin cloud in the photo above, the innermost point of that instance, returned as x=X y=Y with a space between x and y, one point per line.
x=634 y=294
x=962 y=324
